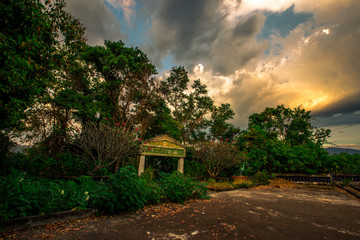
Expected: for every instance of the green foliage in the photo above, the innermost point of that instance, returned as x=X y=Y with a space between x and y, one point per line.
x=122 y=191
x=280 y=157
x=261 y=178
x=196 y=169
x=30 y=52
x=189 y=109
x=293 y=125
x=214 y=185
x=128 y=91
x=5 y=145
x=343 y=163
x=221 y=186
x=219 y=128
x=161 y=164
x=284 y=140
x=346 y=182
x=162 y=122
x=37 y=164
x=22 y=195
x=179 y=188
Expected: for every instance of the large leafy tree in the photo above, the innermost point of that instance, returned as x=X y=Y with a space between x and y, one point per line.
x=128 y=90
x=189 y=106
x=284 y=140
x=31 y=33
x=39 y=51
x=26 y=51
x=294 y=125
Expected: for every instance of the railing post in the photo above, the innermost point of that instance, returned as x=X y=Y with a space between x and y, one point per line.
x=331 y=179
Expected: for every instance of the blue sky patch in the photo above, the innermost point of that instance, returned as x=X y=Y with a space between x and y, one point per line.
x=136 y=31
x=282 y=23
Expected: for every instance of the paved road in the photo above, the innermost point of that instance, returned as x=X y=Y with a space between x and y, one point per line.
x=302 y=213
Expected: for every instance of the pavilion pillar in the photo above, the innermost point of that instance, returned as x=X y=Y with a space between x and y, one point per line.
x=141 y=165
x=180 y=167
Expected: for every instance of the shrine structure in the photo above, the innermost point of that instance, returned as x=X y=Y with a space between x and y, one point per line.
x=165 y=146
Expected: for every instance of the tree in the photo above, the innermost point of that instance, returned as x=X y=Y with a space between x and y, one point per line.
x=219 y=127
x=162 y=122
x=294 y=125
x=283 y=140
x=41 y=45
x=129 y=90
x=217 y=156
x=103 y=145
x=188 y=108
x=29 y=53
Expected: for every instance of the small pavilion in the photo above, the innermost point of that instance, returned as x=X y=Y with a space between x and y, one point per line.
x=162 y=145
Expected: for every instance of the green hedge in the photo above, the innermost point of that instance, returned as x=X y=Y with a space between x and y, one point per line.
x=23 y=195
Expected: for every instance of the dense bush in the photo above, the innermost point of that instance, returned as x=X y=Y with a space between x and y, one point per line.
x=122 y=191
x=280 y=157
x=179 y=188
x=196 y=169
x=261 y=178
x=24 y=195
x=343 y=163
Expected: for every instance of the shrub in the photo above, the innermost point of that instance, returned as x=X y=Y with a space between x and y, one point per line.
x=261 y=178
x=195 y=169
x=122 y=191
x=179 y=188
x=217 y=156
x=102 y=145
x=22 y=195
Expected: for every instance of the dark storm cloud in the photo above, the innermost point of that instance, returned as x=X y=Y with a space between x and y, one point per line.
x=336 y=120
x=201 y=32
x=347 y=105
x=100 y=22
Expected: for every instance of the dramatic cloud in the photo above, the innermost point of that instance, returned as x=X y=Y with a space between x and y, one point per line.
x=315 y=65
x=201 y=32
x=99 y=20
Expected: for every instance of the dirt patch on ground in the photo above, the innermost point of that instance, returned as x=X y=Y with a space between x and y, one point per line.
x=280 y=210
x=278 y=183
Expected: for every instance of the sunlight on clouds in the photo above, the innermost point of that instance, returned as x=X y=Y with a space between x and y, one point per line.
x=326 y=31
x=248 y=6
x=311 y=100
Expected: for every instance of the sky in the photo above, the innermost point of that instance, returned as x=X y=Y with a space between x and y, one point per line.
x=252 y=54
